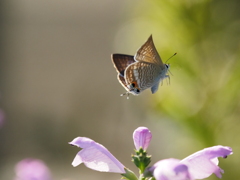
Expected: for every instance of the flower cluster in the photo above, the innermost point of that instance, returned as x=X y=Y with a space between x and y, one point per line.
x=199 y=165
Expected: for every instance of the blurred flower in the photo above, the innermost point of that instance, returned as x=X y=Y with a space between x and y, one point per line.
x=32 y=169
x=142 y=137
x=169 y=169
x=2 y=117
x=199 y=165
x=95 y=156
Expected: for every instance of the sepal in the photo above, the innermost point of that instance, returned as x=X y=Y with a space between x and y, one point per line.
x=129 y=175
x=141 y=160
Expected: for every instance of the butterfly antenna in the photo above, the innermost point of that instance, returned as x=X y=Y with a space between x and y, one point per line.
x=170 y=57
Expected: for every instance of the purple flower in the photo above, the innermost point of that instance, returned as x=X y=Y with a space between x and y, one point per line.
x=142 y=137
x=32 y=169
x=170 y=169
x=95 y=156
x=199 y=165
x=2 y=117
x=205 y=162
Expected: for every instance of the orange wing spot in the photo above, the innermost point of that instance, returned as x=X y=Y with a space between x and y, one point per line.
x=134 y=84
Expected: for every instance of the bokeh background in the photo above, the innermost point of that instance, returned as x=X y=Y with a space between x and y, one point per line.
x=57 y=81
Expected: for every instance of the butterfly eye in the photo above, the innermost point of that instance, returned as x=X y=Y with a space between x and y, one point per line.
x=133 y=84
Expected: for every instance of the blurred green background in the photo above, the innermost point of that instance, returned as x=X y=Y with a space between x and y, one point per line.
x=57 y=81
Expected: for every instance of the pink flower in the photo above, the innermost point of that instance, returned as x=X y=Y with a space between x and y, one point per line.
x=205 y=162
x=170 y=169
x=95 y=156
x=142 y=137
x=2 y=117
x=199 y=165
x=32 y=169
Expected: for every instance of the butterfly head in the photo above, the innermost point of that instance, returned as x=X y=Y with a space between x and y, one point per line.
x=168 y=70
x=167 y=66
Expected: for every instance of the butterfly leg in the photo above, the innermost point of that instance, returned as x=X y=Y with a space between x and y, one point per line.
x=126 y=93
x=168 y=79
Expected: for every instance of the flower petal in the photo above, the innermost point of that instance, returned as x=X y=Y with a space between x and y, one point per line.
x=142 y=137
x=95 y=156
x=170 y=169
x=205 y=162
x=29 y=169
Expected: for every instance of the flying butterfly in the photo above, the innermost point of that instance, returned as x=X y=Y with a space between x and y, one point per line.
x=142 y=71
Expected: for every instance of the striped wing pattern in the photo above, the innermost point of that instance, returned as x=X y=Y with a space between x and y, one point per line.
x=144 y=74
x=148 y=53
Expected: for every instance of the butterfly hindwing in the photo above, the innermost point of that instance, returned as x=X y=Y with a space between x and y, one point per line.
x=143 y=74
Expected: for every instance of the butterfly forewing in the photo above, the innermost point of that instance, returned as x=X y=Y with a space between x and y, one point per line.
x=121 y=62
x=148 y=53
x=122 y=81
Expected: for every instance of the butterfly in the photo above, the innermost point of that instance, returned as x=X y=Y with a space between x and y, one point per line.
x=142 y=71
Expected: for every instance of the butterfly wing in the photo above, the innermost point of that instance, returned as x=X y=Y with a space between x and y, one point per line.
x=122 y=81
x=121 y=62
x=143 y=75
x=148 y=53
x=154 y=88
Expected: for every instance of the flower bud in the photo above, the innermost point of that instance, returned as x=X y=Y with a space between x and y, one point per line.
x=142 y=137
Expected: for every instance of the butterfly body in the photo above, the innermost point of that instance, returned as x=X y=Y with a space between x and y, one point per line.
x=142 y=71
